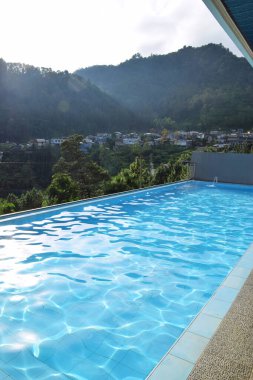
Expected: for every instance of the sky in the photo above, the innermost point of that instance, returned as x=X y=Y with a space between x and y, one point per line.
x=70 y=34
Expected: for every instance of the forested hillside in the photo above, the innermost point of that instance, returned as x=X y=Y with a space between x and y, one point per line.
x=201 y=88
x=42 y=103
x=195 y=88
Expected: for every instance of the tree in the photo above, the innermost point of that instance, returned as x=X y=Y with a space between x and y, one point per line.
x=90 y=178
x=88 y=175
x=134 y=177
x=175 y=170
x=30 y=199
x=161 y=174
x=6 y=207
x=70 y=148
x=62 y=188
x=137 y=56
x=12 y=198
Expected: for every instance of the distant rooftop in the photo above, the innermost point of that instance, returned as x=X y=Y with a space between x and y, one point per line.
x=236 y=18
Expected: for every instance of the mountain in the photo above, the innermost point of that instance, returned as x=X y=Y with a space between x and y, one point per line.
x=201 y=88
x=38 y=102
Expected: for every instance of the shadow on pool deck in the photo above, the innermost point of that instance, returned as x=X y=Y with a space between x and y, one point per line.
x=229 y=355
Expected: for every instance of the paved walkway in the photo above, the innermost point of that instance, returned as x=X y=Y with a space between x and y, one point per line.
x=229 y=355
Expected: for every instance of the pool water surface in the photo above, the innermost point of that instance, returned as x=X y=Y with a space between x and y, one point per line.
x=102 y=289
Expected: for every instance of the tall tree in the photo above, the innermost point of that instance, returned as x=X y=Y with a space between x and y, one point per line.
x=136 y=176
x=87 y=174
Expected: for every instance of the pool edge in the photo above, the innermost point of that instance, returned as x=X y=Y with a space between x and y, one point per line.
x=180 y=359
x=42 y=210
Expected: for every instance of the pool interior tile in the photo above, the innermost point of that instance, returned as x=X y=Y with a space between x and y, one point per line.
x=189 y=347
x=25 y=366
x=172 y=368
x=205 y=325
x=224 y=293
x=217 y=308
x=3 y=375
x=8 y=372
x=234 y=282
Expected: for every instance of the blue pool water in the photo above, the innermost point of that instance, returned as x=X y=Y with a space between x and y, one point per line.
x=102 y=289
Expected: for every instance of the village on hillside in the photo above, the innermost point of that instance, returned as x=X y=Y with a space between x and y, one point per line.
x=186 y=139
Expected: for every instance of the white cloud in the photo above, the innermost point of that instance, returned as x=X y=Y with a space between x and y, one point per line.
x=68 y=34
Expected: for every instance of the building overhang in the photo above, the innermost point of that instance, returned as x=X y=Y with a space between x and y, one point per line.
x=236 y=18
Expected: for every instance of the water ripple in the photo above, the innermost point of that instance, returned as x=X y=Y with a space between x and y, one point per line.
x=102 y=290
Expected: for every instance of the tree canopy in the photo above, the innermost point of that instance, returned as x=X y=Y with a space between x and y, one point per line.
x=87 y=174
x=41 y=103
x=195 y=88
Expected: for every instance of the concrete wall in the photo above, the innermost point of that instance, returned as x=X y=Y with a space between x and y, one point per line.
x=228 y=167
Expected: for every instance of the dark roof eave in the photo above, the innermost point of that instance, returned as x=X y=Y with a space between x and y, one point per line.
x=222 y=16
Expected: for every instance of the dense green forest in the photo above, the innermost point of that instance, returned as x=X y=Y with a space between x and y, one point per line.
x=68 y=174
x=52 y=175
x=41 y=103
x=195 y=88
x=21 y=170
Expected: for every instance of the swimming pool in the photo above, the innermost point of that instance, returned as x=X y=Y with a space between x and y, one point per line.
x=102 y=289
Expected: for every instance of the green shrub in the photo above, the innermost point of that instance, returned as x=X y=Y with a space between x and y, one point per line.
x=31 y=199
x=6 y=207
x=62 y=189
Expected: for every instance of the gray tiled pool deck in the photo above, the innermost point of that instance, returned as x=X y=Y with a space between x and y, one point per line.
x=218 y=344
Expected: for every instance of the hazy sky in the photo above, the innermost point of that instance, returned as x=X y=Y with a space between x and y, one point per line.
x=69 y=34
